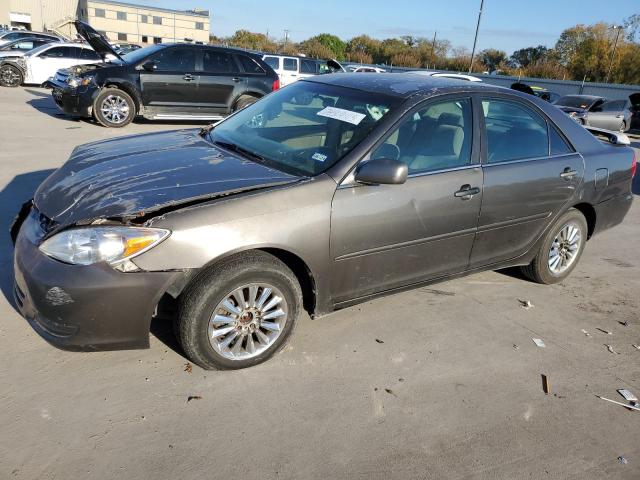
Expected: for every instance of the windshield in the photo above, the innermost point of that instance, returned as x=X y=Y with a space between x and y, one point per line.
x=575 y=101
x=135 y=56
x=304 y=128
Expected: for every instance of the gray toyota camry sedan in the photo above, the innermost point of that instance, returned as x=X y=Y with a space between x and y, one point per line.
x=324 y=194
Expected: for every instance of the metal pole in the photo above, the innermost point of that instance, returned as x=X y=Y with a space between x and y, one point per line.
x=433 y=50
x=475 y=40
x=286 y=39
x=617 y=28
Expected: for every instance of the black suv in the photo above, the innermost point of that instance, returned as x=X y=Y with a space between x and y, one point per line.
x=161 y=82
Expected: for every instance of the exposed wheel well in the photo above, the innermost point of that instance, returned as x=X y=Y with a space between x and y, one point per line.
x=246 y=94
x=131 y=91
x=589 y=214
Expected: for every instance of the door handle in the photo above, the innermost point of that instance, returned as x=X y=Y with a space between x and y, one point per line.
x=466 y=192
x=188 y=77
x=236 y=79
x=568 y=174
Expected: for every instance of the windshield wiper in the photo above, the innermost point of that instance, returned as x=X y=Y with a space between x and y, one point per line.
x=242 y=151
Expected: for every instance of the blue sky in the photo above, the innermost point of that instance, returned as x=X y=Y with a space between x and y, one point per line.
x=506 y=24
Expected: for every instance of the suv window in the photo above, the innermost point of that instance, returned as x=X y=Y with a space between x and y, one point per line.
x=86 y=54
x=59 y=52
x=514 y=132
x=216 y=61
x=434 y=138
x=179 y=59
x=249 y=65
x=308 y=66
x=273 y=62
x=290 y=64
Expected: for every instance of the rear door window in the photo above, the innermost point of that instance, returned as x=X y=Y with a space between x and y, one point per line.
x=59 y=52
x=217 y=61
x=87 y=54
x=514 y=132
x=249 y=65
x=290 y=64
x=308 y=66
x=273 y=62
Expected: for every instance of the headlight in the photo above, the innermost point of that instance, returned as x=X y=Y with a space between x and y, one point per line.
x=75 y=82
x=86 y=246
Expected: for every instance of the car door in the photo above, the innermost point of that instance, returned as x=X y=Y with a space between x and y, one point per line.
x=290 y=69
x=220 y=80
x=388 y=236
x=48 y=62
x=531 y=173
x=172 y=85
x=611 y=115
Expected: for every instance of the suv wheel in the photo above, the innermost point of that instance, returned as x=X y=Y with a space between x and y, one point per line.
x=239 y=313
x=560 y=250
x=10 y=76
x=244 y=101
x=114 y=108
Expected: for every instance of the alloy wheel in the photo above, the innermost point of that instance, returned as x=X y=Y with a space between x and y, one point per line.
x=9 y=77
x=565 y=248
x=248 y=321
x=114 y=109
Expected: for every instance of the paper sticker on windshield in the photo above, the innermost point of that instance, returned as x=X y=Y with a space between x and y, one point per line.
x=318 y=157
x=341 y=114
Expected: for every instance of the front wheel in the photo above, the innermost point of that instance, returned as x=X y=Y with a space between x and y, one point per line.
x=11 y=76
x=114 y=108
x=560 y=250
x=240 y=312
x=623 y=127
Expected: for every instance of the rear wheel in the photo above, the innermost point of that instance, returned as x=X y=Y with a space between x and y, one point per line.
x=10 y=76
x=239 y=313
x=244 y=101
x=114 y=108
x=560 y=250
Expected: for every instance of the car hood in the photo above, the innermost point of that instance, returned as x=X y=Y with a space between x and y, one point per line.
x=571 y=109
x=97 y=41
x=11 y=54
x=132 y=176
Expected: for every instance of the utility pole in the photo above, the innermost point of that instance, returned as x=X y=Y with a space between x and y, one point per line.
x=433 y=50
x=475 y=40
x=286 y=39
x=617 y=28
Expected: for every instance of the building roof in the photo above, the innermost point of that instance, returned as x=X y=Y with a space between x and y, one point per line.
x=198 y=13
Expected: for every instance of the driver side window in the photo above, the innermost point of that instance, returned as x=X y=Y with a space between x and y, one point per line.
x=435 y=138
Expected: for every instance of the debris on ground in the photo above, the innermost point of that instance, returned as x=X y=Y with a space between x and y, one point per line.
x=587 y=334
x=379 y=341
x=539 y=342
x=188 y=367
x=624 y=324
x=611 y=350
x=193 y=397
x=546 y=386
x=390 y=392
x=625 y=405
x=516 y=346
x=637 y=347
x=630 y=397
x=526 y=304
x=604 y=331
x=401 y=379
x=623 y=460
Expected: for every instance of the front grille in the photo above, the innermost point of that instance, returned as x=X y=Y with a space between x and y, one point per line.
x=61 y=76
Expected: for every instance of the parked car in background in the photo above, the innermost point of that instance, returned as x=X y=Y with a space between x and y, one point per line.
x=364 y=69
x=165 y=81
x=10 y=36
x=540 y=92
x=455 y=76
x=124 y=48
x=37 y=65
x=327 y=193
x=18 y=48
x=597 y=111
x=634 y=100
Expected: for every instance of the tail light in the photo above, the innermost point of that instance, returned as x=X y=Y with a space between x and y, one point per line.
x=634 y=165
x=276 y=85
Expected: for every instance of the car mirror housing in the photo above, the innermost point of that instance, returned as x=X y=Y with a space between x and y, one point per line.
x=382 y=171
x=149 y=66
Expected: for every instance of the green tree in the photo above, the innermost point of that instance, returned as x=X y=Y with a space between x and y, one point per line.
x=362 y=49
x=252 y=41
x=526 y=56
x=492 y=58
x=315 y=49
x=333 y=44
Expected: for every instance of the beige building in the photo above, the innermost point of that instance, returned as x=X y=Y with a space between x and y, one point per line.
x=119 y=21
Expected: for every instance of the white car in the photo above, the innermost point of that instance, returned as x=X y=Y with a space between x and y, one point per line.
x=354 y=69
x=37 y=65
x=456 y=76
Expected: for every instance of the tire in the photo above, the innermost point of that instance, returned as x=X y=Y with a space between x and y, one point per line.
x=244 y=101
x=11 y=76
x=204 y=301
x=541 y=269
x=623 y=127
x=124 y=108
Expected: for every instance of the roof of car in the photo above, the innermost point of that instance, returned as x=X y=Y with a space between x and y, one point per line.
x=397 y=84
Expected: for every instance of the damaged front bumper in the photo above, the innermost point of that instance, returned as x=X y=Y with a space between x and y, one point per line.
x=78 y=307
x=75 y=101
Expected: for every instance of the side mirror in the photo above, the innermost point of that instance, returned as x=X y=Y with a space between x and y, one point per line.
x=383 y=171
x=149 y=66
